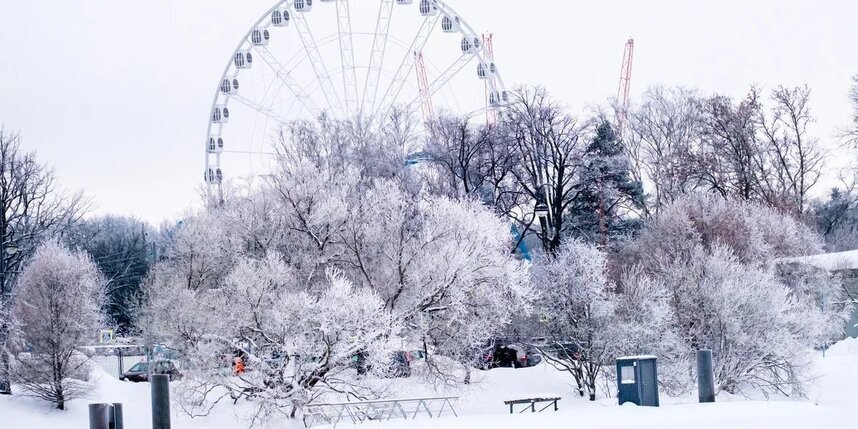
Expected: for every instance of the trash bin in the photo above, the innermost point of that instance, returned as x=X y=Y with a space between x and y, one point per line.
x=637 y=380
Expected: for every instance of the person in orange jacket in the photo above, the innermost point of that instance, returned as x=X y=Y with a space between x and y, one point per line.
x=237 y=366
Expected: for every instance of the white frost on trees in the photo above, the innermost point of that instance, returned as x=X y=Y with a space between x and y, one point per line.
x=577 y=306
x=296 y=344
x=58 y=309
x=712 y=263
x=441 y=272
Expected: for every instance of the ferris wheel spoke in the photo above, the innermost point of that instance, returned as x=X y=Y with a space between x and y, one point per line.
x=259 y=108
x=376 y=56
x=444 y=77
x=317 y=62
x=250 y=152
x=480 y=111
x=407 y=65
x=284 y=76
x=347 y=55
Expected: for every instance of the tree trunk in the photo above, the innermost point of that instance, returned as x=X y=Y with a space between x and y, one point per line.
x=5 y=369
x=5 y=364
x=61 y=401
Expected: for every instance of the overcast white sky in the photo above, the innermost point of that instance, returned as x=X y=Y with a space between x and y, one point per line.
x=115 y=94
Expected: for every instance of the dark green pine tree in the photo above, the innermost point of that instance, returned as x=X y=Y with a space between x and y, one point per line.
x=608 y=198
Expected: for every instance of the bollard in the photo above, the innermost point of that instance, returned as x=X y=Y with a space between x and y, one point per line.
x=160 y=401
x=705 y=376
x=116 y=416
x=99 y=416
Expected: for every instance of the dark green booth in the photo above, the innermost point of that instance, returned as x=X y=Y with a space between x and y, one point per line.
x=637 y=380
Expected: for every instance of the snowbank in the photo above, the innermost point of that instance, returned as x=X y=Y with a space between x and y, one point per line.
x=847 y=347
x=830 y=261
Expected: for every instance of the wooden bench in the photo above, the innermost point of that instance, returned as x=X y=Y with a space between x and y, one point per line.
x=532 y=404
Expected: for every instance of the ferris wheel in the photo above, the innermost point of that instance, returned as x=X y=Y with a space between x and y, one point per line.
x=344 y=59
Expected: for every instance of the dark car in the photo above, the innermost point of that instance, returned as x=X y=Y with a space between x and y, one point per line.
x=399 y=366
x=140 y=371
x=503 y=354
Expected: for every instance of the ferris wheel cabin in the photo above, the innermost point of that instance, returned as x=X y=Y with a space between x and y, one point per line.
x=471 y=46
x=214 y=175
x=215 y=144
x=428 y=7
x=280 y=17
x=260 y=37
x=229 y=86
x=243 y=59
x=220 y=114
x=450 y=25
x=303 y=5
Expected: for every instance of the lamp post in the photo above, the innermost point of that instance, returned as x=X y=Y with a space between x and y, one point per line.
x=541 y=212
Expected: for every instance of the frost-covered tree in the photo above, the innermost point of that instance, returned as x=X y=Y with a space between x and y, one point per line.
x=33 y=208
x=661 y=138
x=754 y=233
x=645 y=321
x=576 y=311
x=441 y=268
x=836 y=219
x=758 y=329
x=548 y=144
x=472 y=161
x=797 y=158
x=297 y=343
x=712 y=262
x=851 y=133
x=58 y=309
x=680 y=142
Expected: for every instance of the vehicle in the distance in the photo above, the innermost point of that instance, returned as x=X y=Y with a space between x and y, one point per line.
x=501 y=353
x=140 y=371
x=399 y=366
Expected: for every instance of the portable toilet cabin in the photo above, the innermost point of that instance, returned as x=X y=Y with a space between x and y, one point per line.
x=637 y=380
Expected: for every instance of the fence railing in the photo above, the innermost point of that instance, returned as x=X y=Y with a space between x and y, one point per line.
x=361 y=411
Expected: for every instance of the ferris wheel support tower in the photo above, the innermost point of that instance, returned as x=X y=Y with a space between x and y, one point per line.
x=423 y=85
x=625 y=85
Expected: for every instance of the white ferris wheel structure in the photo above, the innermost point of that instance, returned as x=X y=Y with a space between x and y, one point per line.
x=344 y=59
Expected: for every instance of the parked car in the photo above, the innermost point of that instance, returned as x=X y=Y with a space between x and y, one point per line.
x=501 y=353
x=140 y=371
x=400 y=365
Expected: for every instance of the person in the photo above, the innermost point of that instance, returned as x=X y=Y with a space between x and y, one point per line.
x=237 y=366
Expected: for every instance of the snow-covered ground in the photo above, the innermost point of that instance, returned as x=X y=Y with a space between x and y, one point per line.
x=832 y=402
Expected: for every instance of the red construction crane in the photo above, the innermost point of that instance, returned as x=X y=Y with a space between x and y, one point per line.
x=625 y=84
x=423 y=85
x=491 y=115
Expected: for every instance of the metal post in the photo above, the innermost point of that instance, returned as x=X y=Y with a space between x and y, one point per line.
x=705 y=376
x=160 y=401
x=116 y=416
x=121 y=366
x=99 y=416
